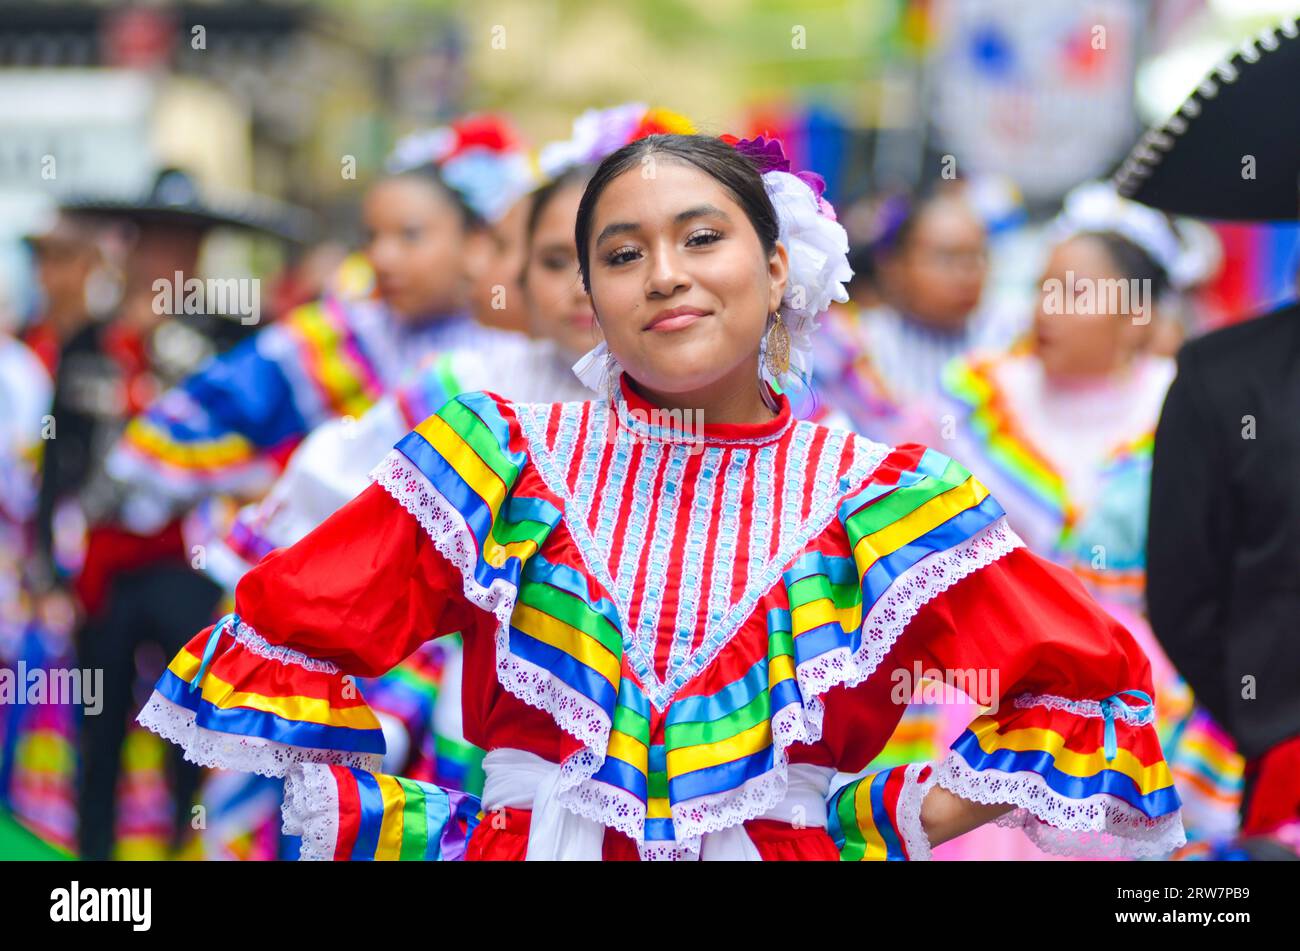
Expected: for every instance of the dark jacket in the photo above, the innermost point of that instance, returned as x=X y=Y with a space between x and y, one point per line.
x=1223 y=561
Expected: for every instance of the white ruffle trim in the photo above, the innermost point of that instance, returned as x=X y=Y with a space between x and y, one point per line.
x=572 y=712
x=247 y=754
x=889 y=616
x=311 y=810
x=255 y=643
x=1101 y=825
x=1083 y=708
x=908 y=815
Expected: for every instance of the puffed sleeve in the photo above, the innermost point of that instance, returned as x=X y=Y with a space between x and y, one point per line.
x=229 y=426
x=1067 y=734
x=436 y=546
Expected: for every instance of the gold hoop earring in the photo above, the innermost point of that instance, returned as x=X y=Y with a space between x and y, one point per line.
x=778 y=347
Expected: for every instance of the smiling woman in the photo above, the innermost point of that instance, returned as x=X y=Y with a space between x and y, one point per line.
x=688 y=272
x=672 y=647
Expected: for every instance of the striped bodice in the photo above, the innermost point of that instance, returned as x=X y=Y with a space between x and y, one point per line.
x=688 y=534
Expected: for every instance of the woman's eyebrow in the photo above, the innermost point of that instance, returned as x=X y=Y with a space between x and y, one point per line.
x=701 y=211
x=618 y=227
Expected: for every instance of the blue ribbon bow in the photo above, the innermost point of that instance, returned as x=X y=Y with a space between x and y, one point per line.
x=1144 y=710
x=230 y=621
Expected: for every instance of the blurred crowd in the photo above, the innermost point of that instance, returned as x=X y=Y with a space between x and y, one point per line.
x=160 y=433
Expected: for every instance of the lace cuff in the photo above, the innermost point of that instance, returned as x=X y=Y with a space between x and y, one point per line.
x=232 y=700
x=878 y=817
x=1087 y=777
x=355 y=815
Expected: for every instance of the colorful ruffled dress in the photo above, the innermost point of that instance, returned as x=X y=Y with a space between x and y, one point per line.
x=419 y=701
x=37 y=730
x=672 y=642
x=1074 y=470
x=332 y=466
x=849 y=382
x=230 y=427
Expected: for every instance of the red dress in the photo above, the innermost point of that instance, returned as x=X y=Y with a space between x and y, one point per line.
x=677 y=634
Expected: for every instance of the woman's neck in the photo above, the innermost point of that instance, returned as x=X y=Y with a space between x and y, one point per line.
x=727 y=401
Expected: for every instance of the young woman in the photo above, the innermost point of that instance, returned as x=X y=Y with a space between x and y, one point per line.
x=676 y=634
x=1063 y=434
x=419 y=702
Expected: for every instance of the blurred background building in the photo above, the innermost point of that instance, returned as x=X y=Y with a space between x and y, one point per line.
x=282 y=97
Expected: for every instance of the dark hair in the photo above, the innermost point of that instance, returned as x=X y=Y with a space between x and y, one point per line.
x=729 y=168
x=428 y=173
x=576 y=175
x=899 y=214
x=1134 y=262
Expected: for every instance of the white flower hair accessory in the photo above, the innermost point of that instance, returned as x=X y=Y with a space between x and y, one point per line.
x=818 y=250
x=1098 y=206
x=816 y=244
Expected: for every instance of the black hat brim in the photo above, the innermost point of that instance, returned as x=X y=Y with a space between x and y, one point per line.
x=1232 y=151
x=262 y=216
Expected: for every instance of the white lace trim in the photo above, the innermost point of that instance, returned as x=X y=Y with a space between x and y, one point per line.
x=572 y=712
x=247 y=754
x=1083 y=708
x=889 y=616
x=1100 y=825
x=908 y=815
x=255 y=643
x=311 y=810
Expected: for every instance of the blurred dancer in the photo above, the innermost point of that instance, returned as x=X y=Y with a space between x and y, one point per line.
x=1063 y=431
x=932 y=259
x=117 y=564
x=37 y=740
x=68 y=255
x=229 y=427
x=1224 y=549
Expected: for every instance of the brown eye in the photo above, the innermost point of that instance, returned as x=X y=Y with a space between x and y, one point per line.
x=621 y=256
x=700 y=238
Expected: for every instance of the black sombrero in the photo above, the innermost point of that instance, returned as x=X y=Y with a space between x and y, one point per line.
x=1249 y=105
x=175 y=198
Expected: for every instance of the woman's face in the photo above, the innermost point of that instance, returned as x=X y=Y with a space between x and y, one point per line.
x=938 y=275
x=494 y=266
x=681 y=284
x=1095 y=339
x=558 y=307
x=416 y=242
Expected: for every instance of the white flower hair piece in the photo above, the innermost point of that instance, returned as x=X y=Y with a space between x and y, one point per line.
x=1098 y=206
x=818 y=250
